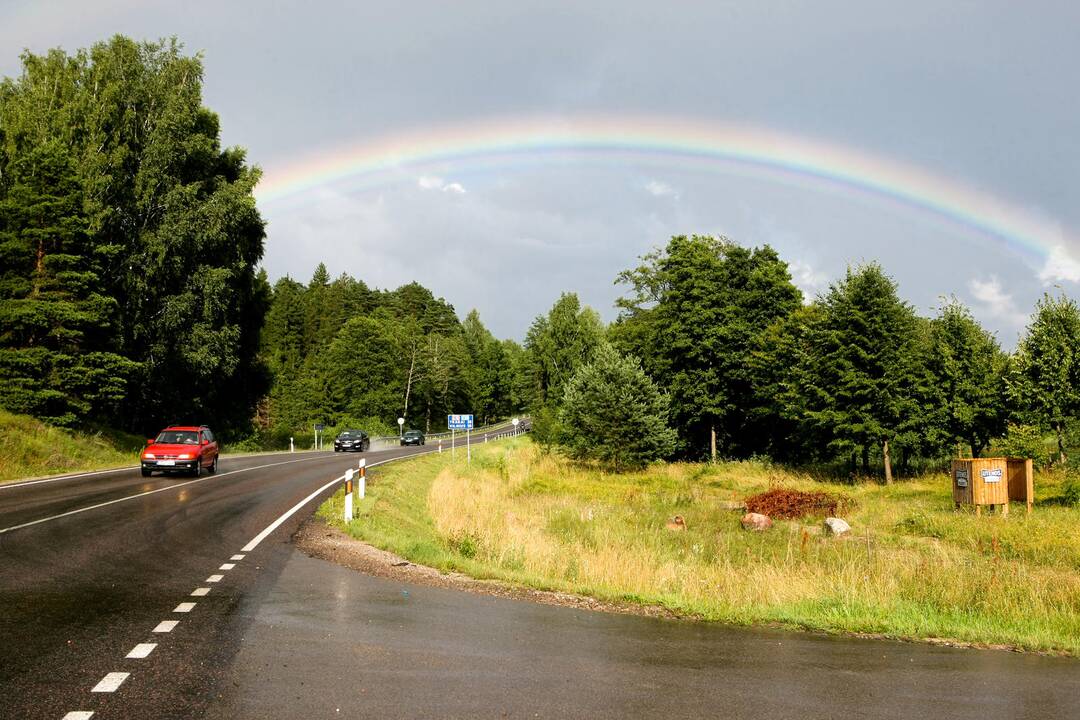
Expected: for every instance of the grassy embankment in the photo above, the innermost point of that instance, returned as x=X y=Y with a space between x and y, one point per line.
x=913 y=566
x=30 y=448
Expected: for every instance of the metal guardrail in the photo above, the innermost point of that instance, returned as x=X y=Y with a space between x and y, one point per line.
x=493 y=431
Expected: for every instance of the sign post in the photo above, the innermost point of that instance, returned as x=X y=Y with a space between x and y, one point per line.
x=515 y=421
x=460 y=422
x=400 y=426
x=318 y=435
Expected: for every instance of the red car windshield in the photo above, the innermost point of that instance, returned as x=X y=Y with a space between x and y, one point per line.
x=178 y=437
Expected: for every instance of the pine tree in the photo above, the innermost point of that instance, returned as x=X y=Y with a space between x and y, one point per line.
x=612 y=412
x=56 y=325
x=859 y=374
x=1045 y=380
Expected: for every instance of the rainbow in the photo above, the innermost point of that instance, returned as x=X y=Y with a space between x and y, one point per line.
x=674 y=142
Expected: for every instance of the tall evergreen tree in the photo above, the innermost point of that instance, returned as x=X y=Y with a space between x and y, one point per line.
x=967 y=367
x=858 y=378
x=1045 y=381
x=694 y=316
x=557 y=344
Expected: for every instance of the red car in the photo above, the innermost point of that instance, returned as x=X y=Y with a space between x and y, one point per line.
x=181 y=448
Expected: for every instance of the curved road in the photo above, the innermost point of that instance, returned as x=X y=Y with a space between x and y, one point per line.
x=99 y=567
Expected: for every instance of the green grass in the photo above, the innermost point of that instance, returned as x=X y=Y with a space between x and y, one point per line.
x=913 y=567
x=30 y=448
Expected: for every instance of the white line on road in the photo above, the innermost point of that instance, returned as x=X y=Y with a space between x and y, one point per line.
x=166 y=626
x=184 y=607
x=214 y=578
x=141 y=650
x=274 y=525
x=200 y=592
x=227 y=566
x=151 y=492
x=111 y=682
x=237 y=557
x=79 y=715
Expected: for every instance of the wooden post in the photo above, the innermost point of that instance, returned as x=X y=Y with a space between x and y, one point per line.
x=712 y=443
x=888 y=465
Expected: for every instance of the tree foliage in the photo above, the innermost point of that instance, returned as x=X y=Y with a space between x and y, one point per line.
x=613 y=412
x=133 y=240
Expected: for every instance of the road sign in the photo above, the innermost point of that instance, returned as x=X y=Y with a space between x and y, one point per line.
x=319 y=428
x=459 y=422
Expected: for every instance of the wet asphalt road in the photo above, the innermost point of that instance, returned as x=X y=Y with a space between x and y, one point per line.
x=78 y=592
x=282 y=635
x=329 y=642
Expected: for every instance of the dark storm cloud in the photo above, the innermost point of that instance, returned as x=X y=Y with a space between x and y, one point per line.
x=978 y=92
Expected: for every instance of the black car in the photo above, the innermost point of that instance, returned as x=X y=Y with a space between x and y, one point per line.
x=412 y=437
x=352 y=441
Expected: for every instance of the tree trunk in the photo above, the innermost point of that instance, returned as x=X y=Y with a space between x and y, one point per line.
x=866 y=459
x=1061 y=443
x=712 y=442
x=888 y=463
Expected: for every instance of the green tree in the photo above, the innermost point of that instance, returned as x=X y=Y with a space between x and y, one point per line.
x=694 y=316
x=166 y=209
x=1045 y=381
x=57 y=327
x=612 y=412
x=557 y=345
x=967 y=367
x=859 y=374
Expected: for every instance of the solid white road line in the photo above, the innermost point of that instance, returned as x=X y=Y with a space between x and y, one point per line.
x=214 y=578
x=151 y=492
x=79 y=715
x=166 y=626
x=289 y=513
x=184 y=607
x=141 y=650
x=200 y=592
x=227 y=566
x=237 y=557
x=111 y=682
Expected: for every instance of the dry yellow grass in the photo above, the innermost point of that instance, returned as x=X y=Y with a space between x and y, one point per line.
x=913 y=566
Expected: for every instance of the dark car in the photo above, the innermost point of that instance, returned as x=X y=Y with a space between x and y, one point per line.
x=412 y=437
x=352 y=441
x=181 y=448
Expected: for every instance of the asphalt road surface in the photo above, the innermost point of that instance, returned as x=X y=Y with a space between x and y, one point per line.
x=98 y=575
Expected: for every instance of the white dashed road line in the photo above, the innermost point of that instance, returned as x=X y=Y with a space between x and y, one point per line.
x=237 y=557
x=184 y=607
x=79 y=715
x=166 y=626
x=111 y=682
x=227 y=566
x=200 y=592
x=214 y=578
x=141 y=651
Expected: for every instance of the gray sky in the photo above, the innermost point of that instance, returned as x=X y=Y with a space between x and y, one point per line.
x=978 y=94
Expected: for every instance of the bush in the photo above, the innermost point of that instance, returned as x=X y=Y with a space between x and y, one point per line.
x=546 y=429
x=613 y=412
x=1071 y=487
x=1025 y=441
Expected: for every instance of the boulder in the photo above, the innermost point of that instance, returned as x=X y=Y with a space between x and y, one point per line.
x=836 y=526
x=756 y=521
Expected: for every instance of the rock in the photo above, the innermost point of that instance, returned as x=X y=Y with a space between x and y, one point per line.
x=756 y=521
x=836 y=526
x=676 y=523
x=732 y=505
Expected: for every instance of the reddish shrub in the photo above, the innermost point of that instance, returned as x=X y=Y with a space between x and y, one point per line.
x=781 y=502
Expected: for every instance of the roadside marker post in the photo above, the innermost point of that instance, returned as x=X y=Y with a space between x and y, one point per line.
x=291 y=448
x=348 y=495
x=362 y=484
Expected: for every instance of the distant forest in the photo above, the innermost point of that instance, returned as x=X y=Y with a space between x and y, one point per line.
x=131 y=296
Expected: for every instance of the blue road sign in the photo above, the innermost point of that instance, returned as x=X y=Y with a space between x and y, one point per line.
x=459 y=422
